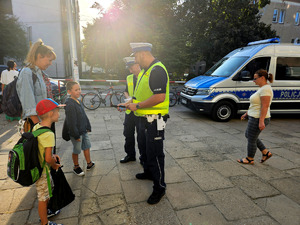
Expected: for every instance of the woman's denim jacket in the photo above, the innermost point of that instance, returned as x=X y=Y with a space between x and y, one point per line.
x=30 y=94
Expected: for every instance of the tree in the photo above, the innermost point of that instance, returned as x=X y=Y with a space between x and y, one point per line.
x=107 y=39
x=13 y=38
x=223 y=25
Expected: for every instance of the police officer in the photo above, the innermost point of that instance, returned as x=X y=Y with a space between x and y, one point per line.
x=151 y=104
x=131 y=121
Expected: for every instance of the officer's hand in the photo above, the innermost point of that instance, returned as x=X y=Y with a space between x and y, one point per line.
x=132 y=106
x=122 y=107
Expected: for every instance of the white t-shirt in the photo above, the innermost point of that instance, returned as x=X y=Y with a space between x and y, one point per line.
x=255 y=102
x=8 y=76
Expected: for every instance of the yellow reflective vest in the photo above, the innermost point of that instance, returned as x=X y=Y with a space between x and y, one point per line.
x=130 y=86
x=142 y=92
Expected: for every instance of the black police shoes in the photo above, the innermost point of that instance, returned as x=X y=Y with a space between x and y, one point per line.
x=156 y=196
x=127 y=158
x=143 y=176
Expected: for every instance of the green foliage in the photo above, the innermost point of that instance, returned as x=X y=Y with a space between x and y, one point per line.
x=107 y=39
x=223 y=25
x=13 y=38
x=182 y=32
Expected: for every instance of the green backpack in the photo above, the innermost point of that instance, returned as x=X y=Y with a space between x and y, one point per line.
x=23 y=164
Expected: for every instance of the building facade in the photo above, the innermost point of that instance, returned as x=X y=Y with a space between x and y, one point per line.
x=284 y=17
x=56 y=22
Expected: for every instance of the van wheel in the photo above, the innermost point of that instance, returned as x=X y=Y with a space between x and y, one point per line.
x=223 y=111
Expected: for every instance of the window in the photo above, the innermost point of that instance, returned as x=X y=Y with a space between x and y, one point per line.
x=297 y=18
x=275 y=16
x=281 y=16
x=257 y=64
x=226 y=66
x=288 y=68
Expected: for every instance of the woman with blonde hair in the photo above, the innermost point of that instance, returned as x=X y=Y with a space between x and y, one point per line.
x=258 y=116
x=33 y=84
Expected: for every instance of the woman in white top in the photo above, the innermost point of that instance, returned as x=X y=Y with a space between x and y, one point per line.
x=258 y=116
x=7 y=76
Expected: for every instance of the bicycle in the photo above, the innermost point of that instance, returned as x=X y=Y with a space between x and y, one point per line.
x=92 y=100
x=174 y=97
x=60 y=97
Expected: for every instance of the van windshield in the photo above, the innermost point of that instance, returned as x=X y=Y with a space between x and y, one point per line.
x=226 y=66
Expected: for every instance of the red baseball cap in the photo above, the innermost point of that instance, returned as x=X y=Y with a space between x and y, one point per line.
x=46 y=105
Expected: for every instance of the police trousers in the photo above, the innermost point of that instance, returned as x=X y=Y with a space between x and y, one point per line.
x=131 y=123
x=154 y=155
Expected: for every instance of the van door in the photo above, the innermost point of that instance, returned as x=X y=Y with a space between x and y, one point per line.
x=244 y=86
x=286 y=85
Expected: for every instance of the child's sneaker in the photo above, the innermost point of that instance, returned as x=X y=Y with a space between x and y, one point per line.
x=91 y=166
x=52 y=213
x=78 y=171
x=52 y=223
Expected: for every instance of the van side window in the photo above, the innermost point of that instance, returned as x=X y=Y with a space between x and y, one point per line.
x=288 y=68
x=256 y=64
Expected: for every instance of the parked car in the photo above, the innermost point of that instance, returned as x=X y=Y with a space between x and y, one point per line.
x=225 y=89
x=54 y=86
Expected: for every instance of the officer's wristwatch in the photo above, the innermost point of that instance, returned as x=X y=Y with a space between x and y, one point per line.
x=138 y=106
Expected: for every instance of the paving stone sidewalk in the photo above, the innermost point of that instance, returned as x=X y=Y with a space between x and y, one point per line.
x=205 y=184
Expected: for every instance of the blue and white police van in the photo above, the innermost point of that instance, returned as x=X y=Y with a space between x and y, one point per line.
x=224 y=89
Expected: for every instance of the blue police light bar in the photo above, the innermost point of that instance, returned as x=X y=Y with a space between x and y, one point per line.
x=271 y=40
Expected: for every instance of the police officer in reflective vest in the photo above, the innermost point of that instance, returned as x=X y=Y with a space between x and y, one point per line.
x=151 y=104
x=131 y=121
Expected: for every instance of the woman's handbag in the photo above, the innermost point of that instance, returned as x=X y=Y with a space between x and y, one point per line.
x=62 y=194
x=28 y=125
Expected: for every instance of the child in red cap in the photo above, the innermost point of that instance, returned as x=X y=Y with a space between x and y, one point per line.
x=48 y=111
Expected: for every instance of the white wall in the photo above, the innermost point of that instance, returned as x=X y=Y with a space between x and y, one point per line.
x=44 y=16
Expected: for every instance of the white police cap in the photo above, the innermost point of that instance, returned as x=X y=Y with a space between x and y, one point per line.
x=137 y=47
x=129 y=61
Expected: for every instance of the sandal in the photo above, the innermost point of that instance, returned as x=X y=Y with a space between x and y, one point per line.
x=268 y=155
x=250 y=161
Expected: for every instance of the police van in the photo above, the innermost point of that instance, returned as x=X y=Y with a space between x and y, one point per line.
x=224 y=89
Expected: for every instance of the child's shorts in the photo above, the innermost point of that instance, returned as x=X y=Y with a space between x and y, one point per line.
x=42 y=187
x=83 y=144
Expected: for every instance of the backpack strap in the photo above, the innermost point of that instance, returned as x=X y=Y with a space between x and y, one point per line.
x=49 y=183
x=40 y=131
x=34 y=77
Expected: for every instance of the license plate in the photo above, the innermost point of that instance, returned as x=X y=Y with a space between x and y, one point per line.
x=183 y=101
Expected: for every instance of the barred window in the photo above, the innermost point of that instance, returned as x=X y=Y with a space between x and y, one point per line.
x=281 y=16
x=275 y=16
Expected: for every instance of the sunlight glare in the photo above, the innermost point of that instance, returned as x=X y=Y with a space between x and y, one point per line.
x=105 y=4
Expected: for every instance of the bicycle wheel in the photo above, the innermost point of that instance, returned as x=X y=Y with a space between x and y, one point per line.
x=63 y=99
x=117 y=98
x=172 y=99
x=91 y=101
x=122 y=98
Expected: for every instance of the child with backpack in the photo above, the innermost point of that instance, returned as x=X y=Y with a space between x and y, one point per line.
x=77 y=125
x=48 y=112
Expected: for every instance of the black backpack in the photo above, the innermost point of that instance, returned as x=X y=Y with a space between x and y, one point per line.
x=23 y=164
x=11 y=104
